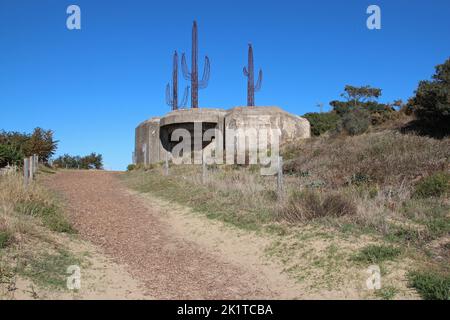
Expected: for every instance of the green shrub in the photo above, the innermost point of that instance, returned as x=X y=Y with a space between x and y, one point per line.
x=430 y=285
x=376 y=254
x=436 y=185
x=5 y=238
x=355 y=122
x=431 y=104
x=322 y=122
x=9 y=155
x=131 y=167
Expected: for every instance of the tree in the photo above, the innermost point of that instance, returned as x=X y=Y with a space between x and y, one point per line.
x=40 y=142
x=364 y=98
x=322 y=122
x=91 y=161
x=431 y=103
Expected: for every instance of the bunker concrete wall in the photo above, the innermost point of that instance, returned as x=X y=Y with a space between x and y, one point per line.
x=153 y=137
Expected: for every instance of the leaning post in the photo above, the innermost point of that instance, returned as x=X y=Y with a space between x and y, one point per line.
x=166 y=165
x=280 y=178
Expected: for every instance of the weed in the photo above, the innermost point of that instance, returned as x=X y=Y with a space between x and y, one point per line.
x=376 y=254
x=49 y=269
x=430 y=285
x=386 y=293
x=436 y=185
x=5 y=238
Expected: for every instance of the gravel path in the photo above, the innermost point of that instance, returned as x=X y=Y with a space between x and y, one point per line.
x=169 y=266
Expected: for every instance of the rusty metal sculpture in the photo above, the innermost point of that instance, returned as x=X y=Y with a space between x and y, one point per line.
x=193 y=75
x=251 y=86
x=172 y=97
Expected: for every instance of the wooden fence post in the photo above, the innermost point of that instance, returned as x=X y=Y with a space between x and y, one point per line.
x=204 y=168
x=280 y=178
x=166 y=165
x=26 y=170
x=31 y=168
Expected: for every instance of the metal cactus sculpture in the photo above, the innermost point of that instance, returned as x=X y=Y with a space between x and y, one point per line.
x=251 y=86
x=172 y=97
x=193 y=75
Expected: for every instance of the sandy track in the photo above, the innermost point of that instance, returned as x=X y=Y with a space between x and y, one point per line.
x=170 y=267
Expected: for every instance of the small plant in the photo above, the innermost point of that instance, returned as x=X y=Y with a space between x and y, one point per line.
x=377 y=254
x=309 y=204
x=5 y=238
x=337 y=205
x=131 y=167
x=436 y=185
x=430 y=285
x=387 y=293
x=359 y=178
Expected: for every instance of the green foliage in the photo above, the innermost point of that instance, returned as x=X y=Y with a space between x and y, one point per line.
x=387 y=292
x=430 y=285
x=40 y=142
x=355 y=122
x=361 y=104
x=9 y=155
x=322 y=122
x=436 y=185
x=431 y=103
x=131 y=167
x=91 y=161
x=5 y=238
x=376 y=254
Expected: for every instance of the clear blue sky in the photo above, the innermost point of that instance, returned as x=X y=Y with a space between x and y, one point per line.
x=94 y=86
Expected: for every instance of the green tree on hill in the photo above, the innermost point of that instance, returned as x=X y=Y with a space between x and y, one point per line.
x=431 y=103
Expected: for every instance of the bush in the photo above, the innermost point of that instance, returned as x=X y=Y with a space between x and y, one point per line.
x=336 y=205
x=377 y=254
x=131 y=167
x=355 y=122
x=9 y=155
x=430 y=285
x=309 y=204
x=5 y=238
x=436 y=185
x=431 y=104
x=322 y=122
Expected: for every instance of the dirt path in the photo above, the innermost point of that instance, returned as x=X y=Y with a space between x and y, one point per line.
x=135 y=234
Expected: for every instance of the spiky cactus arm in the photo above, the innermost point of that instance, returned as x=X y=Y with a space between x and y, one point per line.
x=169 y=101
x=185 y=98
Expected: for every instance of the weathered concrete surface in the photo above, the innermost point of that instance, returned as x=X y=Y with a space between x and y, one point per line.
x=153 y=137
x=291 y=126
x=148 y=147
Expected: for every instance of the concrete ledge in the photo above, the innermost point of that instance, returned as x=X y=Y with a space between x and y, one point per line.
x=192 y=115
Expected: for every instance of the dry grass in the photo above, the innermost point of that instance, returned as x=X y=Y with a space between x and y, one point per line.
x=387 y=158
x=28 y=215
